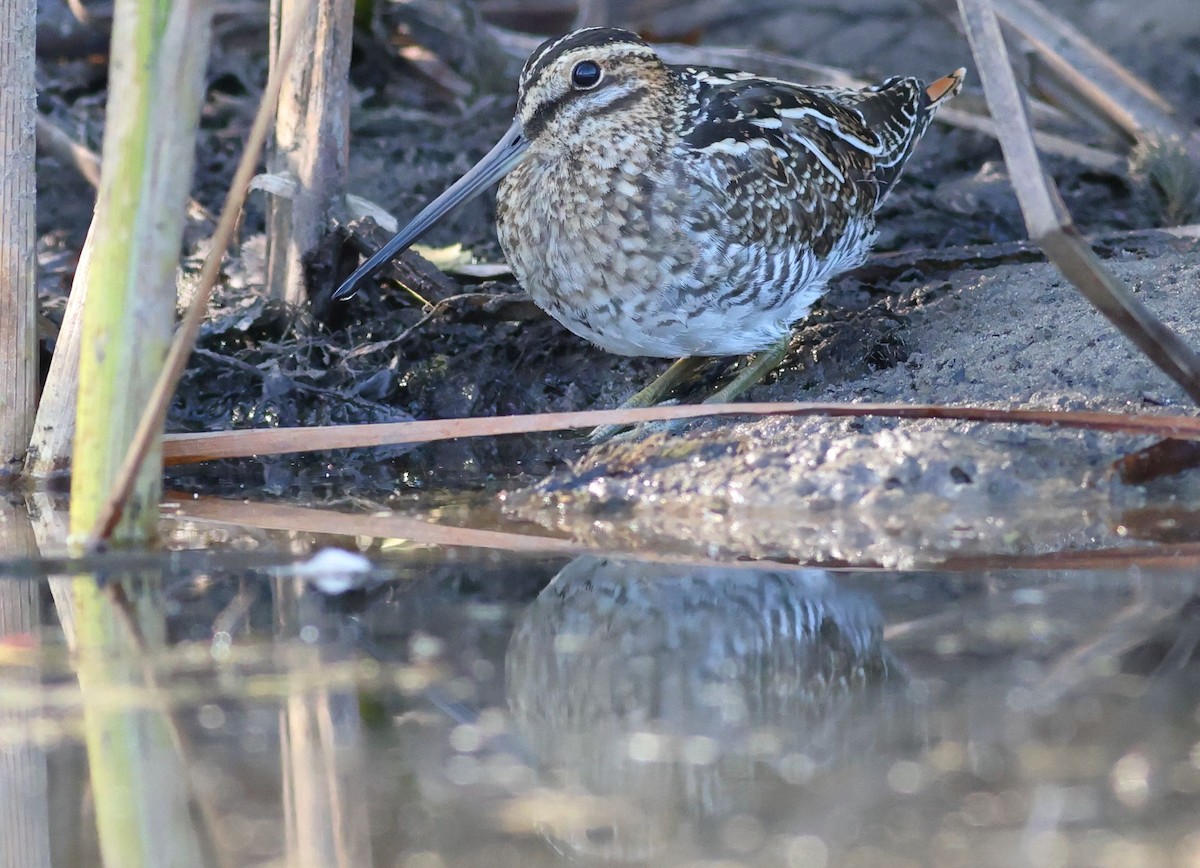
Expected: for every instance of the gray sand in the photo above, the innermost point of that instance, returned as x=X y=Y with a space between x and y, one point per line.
x=904 y=493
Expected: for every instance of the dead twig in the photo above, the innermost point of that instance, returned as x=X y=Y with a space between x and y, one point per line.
x=54 y=141
x=1165 y=458
x=412 y=271
x=1124 y=631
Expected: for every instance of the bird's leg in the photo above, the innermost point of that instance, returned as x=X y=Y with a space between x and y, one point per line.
x=760 y=364
x=680 y=371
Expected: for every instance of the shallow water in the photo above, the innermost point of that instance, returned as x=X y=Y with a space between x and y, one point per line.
x=472 y=707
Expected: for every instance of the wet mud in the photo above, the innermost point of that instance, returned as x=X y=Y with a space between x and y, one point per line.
x=999 y=328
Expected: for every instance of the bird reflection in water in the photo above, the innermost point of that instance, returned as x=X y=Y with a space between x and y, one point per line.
x=661 y=700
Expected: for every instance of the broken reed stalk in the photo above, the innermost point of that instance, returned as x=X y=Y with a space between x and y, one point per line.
x=206 y=446
x=1046 y=216
x=155 y=409
x=311 y=144
x=54 y=427
x=18 y=286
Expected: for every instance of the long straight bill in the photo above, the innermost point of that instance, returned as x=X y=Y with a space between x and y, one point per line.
x=498 y=162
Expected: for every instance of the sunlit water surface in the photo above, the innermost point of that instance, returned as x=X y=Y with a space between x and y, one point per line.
x=476 y=708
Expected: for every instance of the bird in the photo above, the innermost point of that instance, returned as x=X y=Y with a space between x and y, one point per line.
x=682 y=211
x=614 y=647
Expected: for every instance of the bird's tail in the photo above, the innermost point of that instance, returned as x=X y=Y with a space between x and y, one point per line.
x=945 y=87
x=914 y=108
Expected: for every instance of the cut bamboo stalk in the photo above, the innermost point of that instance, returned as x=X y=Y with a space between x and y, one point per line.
x=312 y=143
x=1046 y=216
x=155 y=89
x=18 y=287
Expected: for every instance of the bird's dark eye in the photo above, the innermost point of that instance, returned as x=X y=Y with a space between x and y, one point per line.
x=586 y=74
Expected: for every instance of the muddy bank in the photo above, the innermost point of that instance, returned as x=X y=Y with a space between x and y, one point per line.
x=899 y=493
x=887 y=334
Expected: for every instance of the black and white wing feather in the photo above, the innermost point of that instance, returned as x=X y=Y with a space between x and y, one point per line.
x=789 y=164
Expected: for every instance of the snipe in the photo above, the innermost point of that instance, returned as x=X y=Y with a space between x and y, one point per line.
x=684 y=211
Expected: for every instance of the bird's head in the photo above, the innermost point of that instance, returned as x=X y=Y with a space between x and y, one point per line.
x=601 y=78
x=600 y=89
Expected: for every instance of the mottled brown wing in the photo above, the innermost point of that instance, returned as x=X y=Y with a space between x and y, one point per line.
x=791 y=164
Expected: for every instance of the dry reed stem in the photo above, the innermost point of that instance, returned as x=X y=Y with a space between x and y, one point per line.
x=1046 y=216
x=54 y=426
x=1048 y=143
x=1091 y=74
x=206 y=446
x=54 y=140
